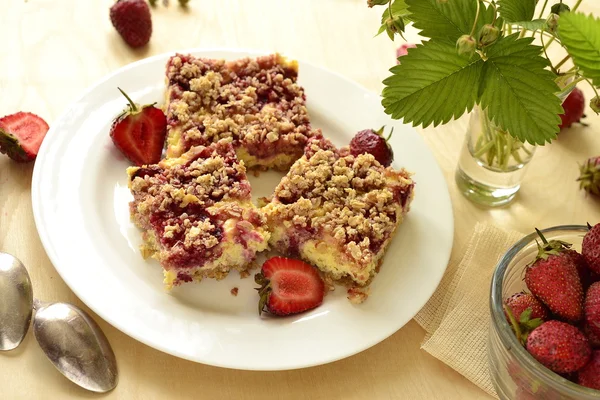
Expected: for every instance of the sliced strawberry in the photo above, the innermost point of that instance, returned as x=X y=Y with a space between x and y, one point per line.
x=139 y=133
x=288 y=286
x=21 y=135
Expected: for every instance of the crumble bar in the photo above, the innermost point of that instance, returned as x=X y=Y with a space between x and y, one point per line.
x=254 y=101
x=196 y=214
x=339 y=212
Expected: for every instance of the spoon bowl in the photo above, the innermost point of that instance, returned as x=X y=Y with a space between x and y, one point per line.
x=16 y=306
x=76 y=346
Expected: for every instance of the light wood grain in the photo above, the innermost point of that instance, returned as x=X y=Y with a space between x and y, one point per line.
x=51 y=50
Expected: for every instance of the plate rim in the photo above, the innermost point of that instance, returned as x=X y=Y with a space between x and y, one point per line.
x=44 y=235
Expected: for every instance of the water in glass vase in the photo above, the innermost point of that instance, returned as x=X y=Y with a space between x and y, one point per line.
x=492 y=163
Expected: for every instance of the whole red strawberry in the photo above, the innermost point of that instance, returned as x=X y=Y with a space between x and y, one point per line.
x=21 y=135
x=519 y=302
x=139 y=132
x=585 y=275
x=131 y=18
x=525 y=313
x=592 y=337
x=589 y=176
x=574 y=106
x=592 y=309
x=559 y=346
x=554 y=280
x=373 y=142
x=288 y=286
x=589 y=376
x=590 y=248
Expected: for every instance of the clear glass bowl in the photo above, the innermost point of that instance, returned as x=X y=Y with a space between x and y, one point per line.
x=515 y=373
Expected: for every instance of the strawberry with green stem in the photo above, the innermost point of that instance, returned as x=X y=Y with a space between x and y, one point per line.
x=21 y=135
x=374 y=143
x=288 y=286
x=554 y=279
x=525 y=313
x=139 y=132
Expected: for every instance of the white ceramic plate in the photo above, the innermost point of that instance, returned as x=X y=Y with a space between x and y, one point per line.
x=80 y=203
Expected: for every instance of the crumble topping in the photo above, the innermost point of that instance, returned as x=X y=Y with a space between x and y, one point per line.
x=256 y=102
x=354 y=200
x=188 y=205
x=339 y=212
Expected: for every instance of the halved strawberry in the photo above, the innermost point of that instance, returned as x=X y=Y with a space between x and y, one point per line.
x=139 y=132
x=288 y=286
x=21 y=135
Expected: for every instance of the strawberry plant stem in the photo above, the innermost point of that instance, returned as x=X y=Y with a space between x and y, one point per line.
x=561 y=62
x=496 y=148
x=573 y=84
x=546 y=53
x=131 y=103
x=592 y=86
x=543 y=9
x=476 y=18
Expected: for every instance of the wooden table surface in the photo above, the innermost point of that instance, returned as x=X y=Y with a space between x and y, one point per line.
x=51 y=50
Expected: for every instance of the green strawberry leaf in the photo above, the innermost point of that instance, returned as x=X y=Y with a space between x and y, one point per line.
x=580 y=34
x=532 y=324
x=518 y=92
x=516 y=10
x=449 y=20
x=513 y=85
x=525 y=315
x=432 y=85
x=535 y=25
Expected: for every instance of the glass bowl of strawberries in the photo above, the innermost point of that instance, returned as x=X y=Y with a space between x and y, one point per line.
x=544 y=339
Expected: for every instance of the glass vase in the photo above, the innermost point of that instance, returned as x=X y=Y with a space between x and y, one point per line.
x=492 y=163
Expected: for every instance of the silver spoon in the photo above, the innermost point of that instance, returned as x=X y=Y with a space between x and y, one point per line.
x=70 y=338
x=17 y=303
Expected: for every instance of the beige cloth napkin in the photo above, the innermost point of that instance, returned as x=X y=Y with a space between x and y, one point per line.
x=457 y=316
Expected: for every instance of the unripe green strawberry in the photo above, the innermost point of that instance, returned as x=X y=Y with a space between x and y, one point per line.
x=595 y=104
x=465 y=45
x=488 y=34
x=552 y=22
x=589 y=177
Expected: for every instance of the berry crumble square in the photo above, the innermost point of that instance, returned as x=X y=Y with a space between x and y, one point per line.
x=339 y=212
x=256 y=102
x=196 y=214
